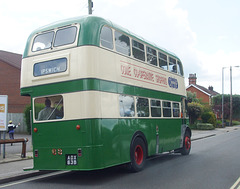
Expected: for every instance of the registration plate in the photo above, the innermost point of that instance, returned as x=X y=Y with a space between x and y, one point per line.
x=71 y=159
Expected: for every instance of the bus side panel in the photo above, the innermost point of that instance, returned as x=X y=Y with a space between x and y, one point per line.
x=169 y=133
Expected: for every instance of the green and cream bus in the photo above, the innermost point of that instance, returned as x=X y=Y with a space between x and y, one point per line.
x=101 y=96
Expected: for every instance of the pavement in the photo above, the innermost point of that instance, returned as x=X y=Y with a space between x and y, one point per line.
x=11 y=167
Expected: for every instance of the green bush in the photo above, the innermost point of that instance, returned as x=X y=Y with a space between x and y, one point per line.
x=27 y=109
x=27 y=117
x=205 y=126
x=235 y=122
x=209 y=117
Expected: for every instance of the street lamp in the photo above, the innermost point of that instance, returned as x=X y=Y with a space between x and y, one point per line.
x=223 y=96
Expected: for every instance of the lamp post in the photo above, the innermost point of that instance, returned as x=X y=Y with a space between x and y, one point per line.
x=223 y=96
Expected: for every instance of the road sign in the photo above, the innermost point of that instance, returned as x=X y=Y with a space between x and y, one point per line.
x=3 y=112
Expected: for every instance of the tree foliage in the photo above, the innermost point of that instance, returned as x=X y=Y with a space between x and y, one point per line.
x=217 y=105
x=194 y=110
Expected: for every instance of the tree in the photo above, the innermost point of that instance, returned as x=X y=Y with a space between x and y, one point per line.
x=217 y=105
x=194 y=110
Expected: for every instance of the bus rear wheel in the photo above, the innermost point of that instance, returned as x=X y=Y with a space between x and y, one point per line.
x=137 y=154
x=186 y=144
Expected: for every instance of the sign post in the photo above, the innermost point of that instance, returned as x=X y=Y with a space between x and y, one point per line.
x=3 y=118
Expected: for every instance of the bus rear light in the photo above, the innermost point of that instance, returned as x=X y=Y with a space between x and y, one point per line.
x=59 y=151
x=54 y=152
x=78 y=127
x=79 y=152
x=36 y=153
x=35 y=130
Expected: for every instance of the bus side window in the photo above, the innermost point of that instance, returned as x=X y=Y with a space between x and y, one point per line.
x=162 y=58
x=172 y=65
x=138 y=50
x=151 y=56
x=106 y=37
x=142 y=107
x=176 y=109
x=156 y=108
x=126 y=106
x=122 y=43
x=167 y=109
x=179 y=68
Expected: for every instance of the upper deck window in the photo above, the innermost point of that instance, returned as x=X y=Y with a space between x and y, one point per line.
x=43 y=41
x=151 y=56
x=106 y=37
x=172 y=65
x=179 y=68
x=65 y=36
x=138 y=50
x=122 y=43
x=163 y=61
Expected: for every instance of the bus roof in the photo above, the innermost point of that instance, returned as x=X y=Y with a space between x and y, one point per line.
x=93 y=24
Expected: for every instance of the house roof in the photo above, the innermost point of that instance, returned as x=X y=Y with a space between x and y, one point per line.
x=204 y=90
x=10 y=58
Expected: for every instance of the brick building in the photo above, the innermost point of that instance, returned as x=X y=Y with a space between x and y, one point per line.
x=10 y=68
x=201 y=92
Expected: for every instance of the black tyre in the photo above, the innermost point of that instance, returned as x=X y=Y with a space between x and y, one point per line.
x=186 y=144
x=137 y=155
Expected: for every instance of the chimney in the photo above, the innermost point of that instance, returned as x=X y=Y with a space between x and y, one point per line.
x=192 y=79
x=210 y=88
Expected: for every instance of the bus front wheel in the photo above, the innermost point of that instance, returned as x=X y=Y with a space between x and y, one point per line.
x=186 y=144
x=137 y=154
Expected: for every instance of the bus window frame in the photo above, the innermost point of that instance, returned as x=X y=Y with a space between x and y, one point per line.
x=47 y=120
x=53 y=48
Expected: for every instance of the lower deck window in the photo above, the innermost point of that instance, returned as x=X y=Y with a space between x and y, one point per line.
x=142 y=107
x=48 y=108
x=167 y=109
x=126 y=106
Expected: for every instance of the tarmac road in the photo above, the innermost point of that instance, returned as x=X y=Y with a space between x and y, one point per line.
x=213 y=163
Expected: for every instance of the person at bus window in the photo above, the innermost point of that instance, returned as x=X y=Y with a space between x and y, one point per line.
x=174 y=69
x=48 y=112
x=11 y=128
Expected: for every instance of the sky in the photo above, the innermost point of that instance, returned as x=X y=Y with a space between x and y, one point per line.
x=204 y=34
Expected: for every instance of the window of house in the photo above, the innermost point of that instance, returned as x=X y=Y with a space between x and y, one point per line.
x=106 y=37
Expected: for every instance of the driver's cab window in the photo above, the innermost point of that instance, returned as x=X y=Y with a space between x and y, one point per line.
x=48 y=108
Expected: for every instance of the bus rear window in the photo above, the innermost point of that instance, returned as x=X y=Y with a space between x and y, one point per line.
x=65 y=36
x=60 y=37
x=42 y=41
x=48 y=108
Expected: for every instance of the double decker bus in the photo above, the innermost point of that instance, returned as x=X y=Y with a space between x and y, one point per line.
x=101 y=96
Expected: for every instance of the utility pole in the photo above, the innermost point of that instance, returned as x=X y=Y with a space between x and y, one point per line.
x=223 y=96
x=90 y=6
x=230 y=124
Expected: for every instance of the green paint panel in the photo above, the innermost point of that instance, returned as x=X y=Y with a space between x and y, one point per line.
x=97 y=85
x=103 y=142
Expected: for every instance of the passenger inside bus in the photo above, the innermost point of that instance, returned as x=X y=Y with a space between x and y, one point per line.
x=48 y=112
